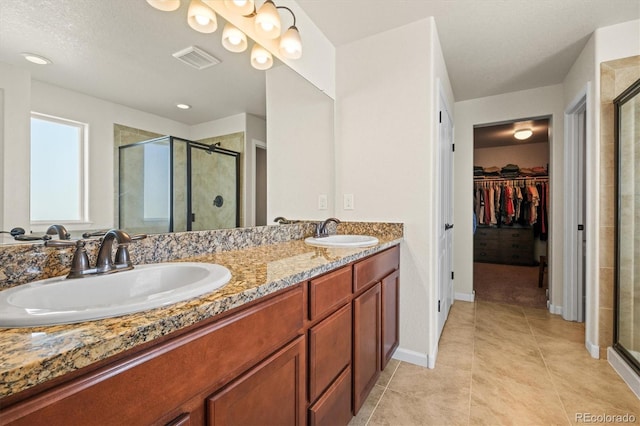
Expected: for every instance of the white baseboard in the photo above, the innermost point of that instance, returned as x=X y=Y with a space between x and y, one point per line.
x=622 y=368
x=465 y=297
x=555 y=309
x=594 y=350
x=413 y=357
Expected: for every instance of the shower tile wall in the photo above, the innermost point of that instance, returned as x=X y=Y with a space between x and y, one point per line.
x=224 y=217
x=615 y=77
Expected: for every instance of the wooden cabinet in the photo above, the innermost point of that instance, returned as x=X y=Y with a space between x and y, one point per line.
x=390 y=336
x=171 y=380
x=506 y=245
x=366 y=344
x=309 y=354
x=272 y=393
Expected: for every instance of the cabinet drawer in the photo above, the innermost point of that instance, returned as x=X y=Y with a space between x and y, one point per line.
x=334 y=407
x=329 y=350
x=486 y=233
x=480 y=244
x=328 y=292
x=374 y=268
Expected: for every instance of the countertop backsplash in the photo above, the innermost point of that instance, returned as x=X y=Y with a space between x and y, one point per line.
x=23 y=263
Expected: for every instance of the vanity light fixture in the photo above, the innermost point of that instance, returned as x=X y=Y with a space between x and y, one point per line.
x=290 y=42
x=201 y=17
x=522 y=134
x=261 y=59
x=183 y=106
x=36 y=59
x=241 y=7
x=233 y=39
x=165 y=5
x=267 y=21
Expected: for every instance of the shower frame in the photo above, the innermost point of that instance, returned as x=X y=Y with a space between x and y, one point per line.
x=213 y=148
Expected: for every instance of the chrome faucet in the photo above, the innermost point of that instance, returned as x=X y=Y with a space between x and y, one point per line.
x=284 y=221
x=62 y=232
x=321 y=228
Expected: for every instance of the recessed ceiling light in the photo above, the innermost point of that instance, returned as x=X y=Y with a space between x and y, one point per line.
x=36 y=59
x=183 y=106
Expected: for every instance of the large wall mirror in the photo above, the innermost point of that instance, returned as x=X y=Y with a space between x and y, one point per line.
x=627 y=118
x=112 y=67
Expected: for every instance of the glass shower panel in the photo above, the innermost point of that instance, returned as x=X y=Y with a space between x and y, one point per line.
x=214 y=188
x=144 y=187
x=628 y=221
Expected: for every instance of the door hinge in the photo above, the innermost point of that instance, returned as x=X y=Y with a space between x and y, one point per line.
x=193 y=217
x=440 y=117
x=451 y=274
x=438 y=306
x=453 y=147
x=580 y=227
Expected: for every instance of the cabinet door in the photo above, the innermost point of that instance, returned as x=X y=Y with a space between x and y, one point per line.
x=329 y=350
x=272 y=393
x=390 y=287
x=366 y=344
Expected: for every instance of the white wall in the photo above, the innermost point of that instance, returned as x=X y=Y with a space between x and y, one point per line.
x=300 y=157
x=510 y=106
x=386 y=152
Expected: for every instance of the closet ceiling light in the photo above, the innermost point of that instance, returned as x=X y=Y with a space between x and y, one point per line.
x=522 y=134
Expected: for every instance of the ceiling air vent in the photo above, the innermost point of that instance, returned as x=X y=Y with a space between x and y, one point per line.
x=196 y=57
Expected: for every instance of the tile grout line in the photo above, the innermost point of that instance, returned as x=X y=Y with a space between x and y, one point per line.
x=473 y=356
x=546 y=366
x=382 y=394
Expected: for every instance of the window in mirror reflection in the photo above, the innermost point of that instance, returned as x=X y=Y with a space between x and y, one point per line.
x=156 y=181
x=57 y=169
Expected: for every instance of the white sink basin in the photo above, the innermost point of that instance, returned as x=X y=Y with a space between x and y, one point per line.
x=64 y=301
x=342 y=241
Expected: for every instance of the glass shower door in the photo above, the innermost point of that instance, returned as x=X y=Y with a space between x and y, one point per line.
x=627 y=338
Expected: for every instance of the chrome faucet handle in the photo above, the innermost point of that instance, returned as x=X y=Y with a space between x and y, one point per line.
x=80 y=265
x=321 y=228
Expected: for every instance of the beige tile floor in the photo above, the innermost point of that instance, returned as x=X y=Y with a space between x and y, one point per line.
x=501 y=365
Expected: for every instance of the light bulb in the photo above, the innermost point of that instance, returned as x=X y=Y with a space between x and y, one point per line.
x=267 y=26
x=267 y=21
x=202 y=20
x=261 y=59
x=290 y=44
x=233 y=39
x=241 y=7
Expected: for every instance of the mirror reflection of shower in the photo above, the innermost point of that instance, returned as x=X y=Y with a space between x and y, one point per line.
x=169 y=184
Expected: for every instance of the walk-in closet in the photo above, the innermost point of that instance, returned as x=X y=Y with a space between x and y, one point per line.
x=511 y=212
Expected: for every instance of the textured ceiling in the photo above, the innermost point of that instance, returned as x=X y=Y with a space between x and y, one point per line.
x=120 y=50
x=490 y=46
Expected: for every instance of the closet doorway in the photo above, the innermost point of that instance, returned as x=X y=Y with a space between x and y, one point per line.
x=511 y=211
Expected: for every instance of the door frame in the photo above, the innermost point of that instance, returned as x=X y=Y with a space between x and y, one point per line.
x=255 y=145
x=572 y=208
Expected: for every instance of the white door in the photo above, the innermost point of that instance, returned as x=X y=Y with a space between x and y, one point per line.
x=445 y=221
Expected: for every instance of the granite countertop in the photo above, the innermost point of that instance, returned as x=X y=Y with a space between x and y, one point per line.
x=30 y=356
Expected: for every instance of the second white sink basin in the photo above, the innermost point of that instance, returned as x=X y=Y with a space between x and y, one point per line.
x=342 y=241
x=64 y=301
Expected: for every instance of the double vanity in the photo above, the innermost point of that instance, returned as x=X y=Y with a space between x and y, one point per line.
x=298 y=335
